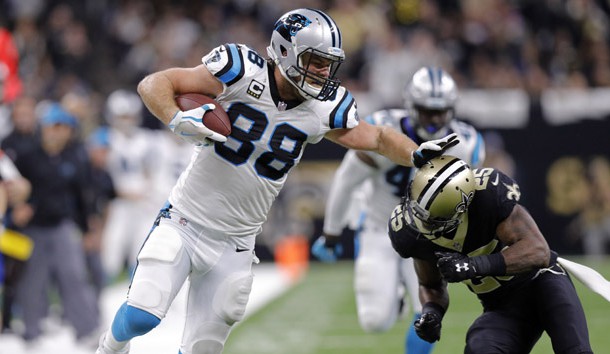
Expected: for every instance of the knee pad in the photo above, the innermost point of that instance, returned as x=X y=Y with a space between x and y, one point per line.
x=207 y=346
x=372 y=321
x=131 y=322
x=232 y=296
x=152 y=286
x=377 y=312
x=212 y=341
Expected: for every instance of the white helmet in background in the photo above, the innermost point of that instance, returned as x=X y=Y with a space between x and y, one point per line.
x=431 y=96
x=124 y=110
x=297 y=37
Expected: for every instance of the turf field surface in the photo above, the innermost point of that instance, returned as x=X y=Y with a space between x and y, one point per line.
x=318 y=315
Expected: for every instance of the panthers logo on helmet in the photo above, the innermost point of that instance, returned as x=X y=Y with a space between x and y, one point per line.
x=289 y=26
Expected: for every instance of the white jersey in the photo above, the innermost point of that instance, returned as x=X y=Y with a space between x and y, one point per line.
x=383 y=186
x=172 y=156
x=130 y=161
x=230 y=186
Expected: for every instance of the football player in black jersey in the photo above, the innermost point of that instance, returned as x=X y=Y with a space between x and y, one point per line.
x=464 y=225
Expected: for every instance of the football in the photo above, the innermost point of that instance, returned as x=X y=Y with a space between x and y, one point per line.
x=216 y=119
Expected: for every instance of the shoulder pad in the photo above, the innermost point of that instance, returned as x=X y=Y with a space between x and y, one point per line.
x=230 y=62
x=341 y=110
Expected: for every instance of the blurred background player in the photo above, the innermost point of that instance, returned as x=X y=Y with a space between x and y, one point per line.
x=15 y=248
x=381 y=275
x=25 y=134
x=129 y=163
x=14 y=116
x=103 y=192
x=56 y=217
x=172 y=156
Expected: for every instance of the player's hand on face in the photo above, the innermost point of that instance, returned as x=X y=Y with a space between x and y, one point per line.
x=433 y=148
x=189 y=126
x=327 y=248
x=428 y=327
x=455 y=267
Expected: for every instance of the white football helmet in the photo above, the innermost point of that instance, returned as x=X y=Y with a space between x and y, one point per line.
x=124 y=109
x=299 y=36
x=431 y=96
x=439 y=196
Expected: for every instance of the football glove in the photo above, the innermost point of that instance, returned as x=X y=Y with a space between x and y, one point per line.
x=433 y=148
x=327 y=249
x=456 y=267
x=189 y=126
x=428 y=326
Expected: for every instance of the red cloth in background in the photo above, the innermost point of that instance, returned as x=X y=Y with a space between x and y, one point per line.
x=9 y=65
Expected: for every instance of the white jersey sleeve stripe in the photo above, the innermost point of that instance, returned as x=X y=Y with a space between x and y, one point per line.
x=339 y=116
x=234 y=70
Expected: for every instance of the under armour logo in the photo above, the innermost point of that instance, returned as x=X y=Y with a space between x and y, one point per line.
x=464 y=267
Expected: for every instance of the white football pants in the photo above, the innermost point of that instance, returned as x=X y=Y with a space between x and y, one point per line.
x=220 y=271
x=382 y=280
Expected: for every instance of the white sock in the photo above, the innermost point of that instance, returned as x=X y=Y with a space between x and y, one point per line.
x=114 y=344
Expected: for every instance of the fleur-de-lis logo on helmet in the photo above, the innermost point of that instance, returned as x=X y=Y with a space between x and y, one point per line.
x=466 y=199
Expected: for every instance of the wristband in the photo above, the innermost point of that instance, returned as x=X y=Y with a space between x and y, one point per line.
x=433 y=307
x=490 y=264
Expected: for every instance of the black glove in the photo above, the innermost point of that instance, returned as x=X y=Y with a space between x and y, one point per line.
x=428 y=326
x=456 y=267
x=433 y=148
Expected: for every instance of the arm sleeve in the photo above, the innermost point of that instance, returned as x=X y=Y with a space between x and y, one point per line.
x=351 y=173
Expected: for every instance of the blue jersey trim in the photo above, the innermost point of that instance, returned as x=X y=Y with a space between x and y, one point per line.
x=234 y=69
x=338 y=118
x=476 y=153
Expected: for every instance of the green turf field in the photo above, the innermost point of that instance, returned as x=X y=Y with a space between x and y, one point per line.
x=319 y=316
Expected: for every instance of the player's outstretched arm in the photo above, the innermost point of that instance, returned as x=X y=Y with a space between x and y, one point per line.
x=392 y=144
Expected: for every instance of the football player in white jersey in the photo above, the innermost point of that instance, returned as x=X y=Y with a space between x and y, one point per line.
x=206 y=232
x=130 y=165
x=381 y=276
x=172 y=156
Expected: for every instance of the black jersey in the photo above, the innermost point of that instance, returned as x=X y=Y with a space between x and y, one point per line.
x=495 y=197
